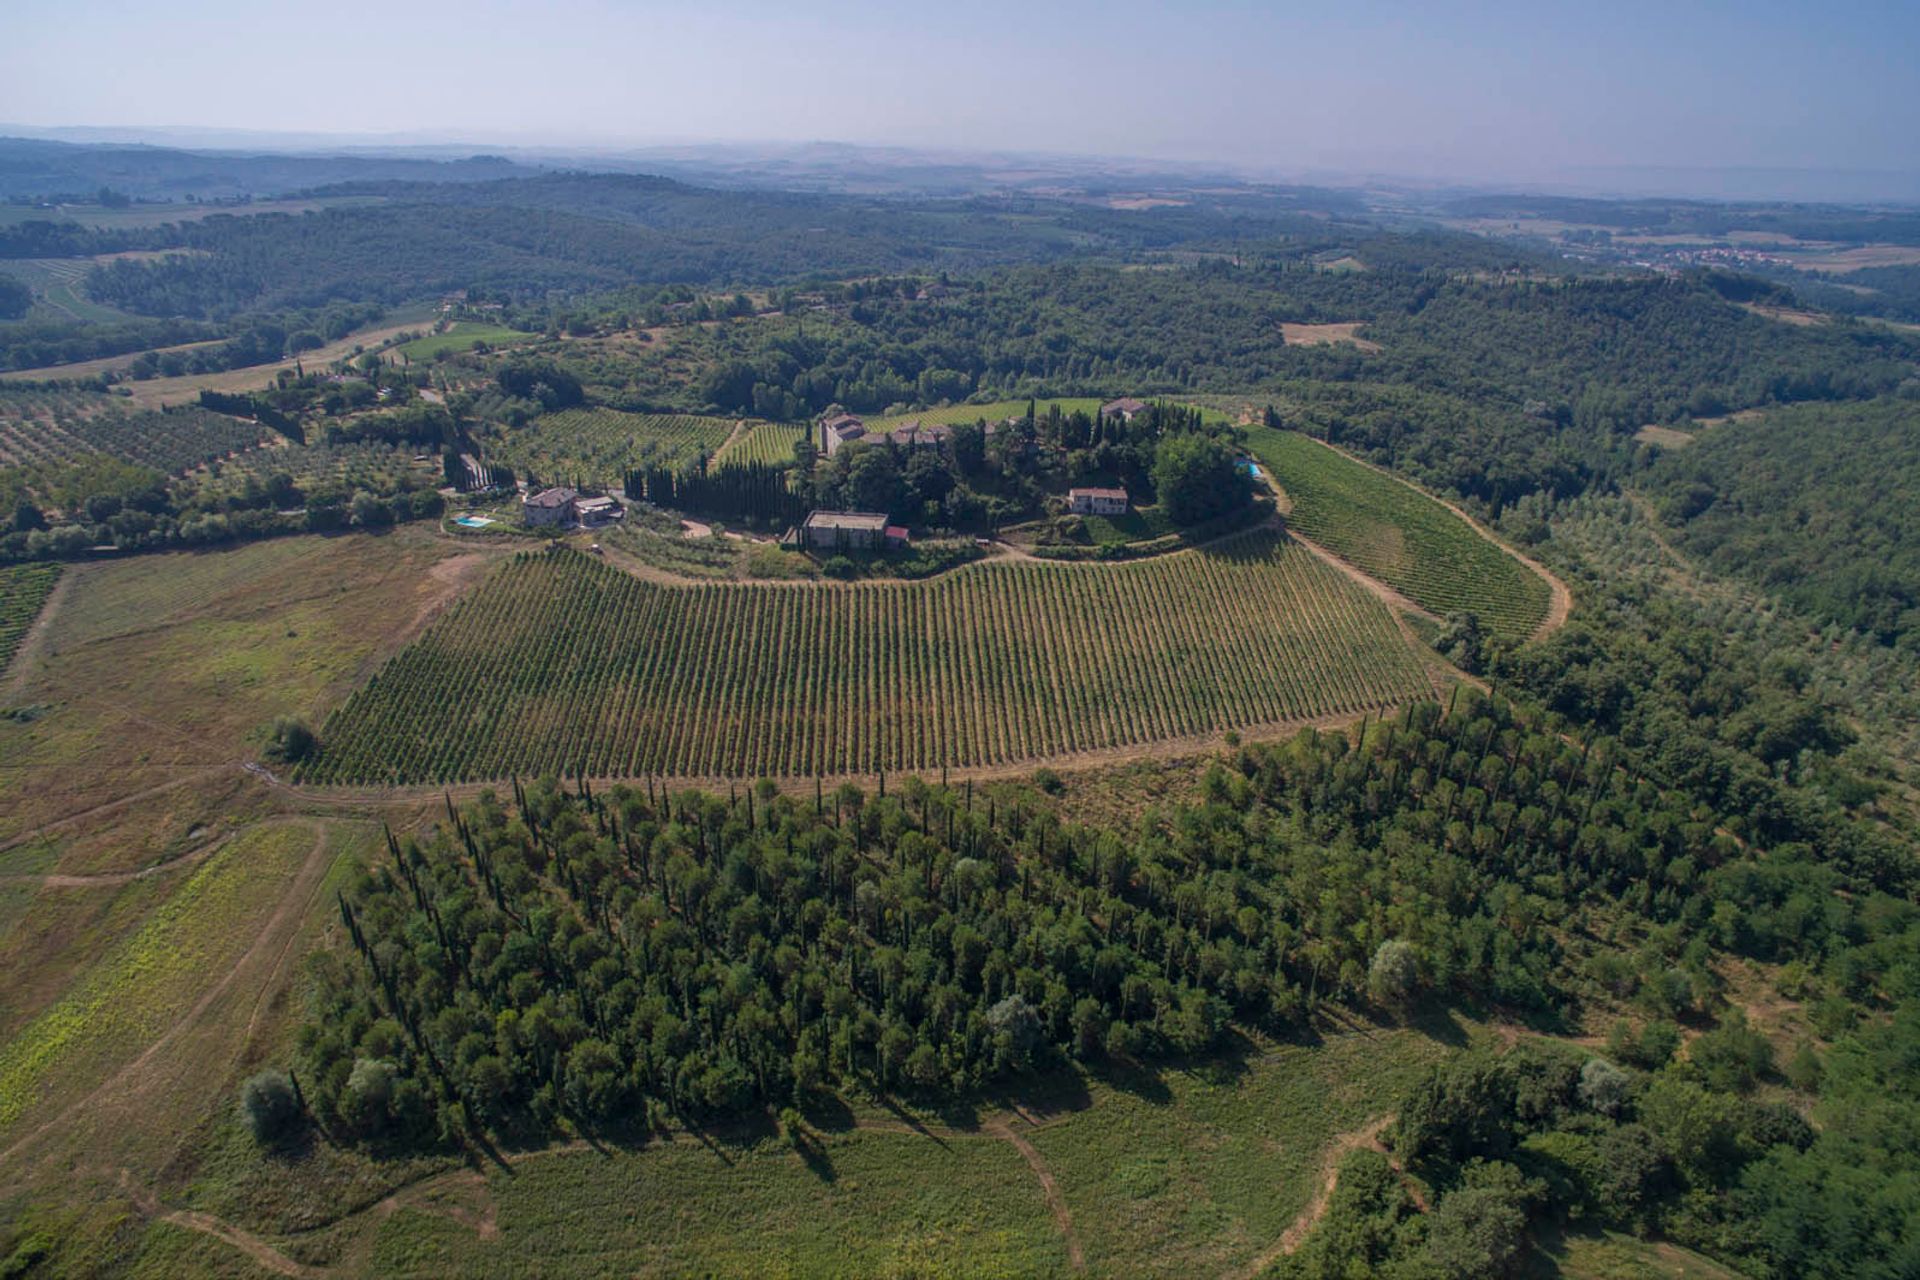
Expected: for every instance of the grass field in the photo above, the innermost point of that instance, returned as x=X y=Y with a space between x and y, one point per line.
x=562 y=663
x=155 y=670
x=768 y=442
x=1399 y=535
x=60 y=293
x=998 y=411
x=462 y=335
x=153 y=974
x=24 y=588
x=1183 y=1172
x=599 y=446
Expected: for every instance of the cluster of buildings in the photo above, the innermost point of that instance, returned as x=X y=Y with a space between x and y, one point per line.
x=839 y=429
x=558 y=508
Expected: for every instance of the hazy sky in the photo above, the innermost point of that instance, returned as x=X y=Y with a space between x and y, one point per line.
x=1455 y=87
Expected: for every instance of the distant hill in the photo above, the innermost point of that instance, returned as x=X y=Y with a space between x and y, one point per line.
x=30 y=168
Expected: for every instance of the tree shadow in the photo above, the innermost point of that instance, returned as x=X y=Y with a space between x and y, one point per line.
x=827 y=1112
x=1047 y=1097
x=1141 y=1079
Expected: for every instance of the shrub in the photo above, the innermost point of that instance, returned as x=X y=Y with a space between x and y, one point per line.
x=290 y=740
x=271 y=1106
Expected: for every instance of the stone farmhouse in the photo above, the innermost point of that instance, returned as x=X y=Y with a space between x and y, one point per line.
x=1097 y=502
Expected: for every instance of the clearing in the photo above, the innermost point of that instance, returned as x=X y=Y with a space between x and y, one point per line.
x=1321 y=335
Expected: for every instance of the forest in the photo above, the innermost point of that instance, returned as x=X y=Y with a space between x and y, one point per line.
x=1813 y=503
x=614 y=960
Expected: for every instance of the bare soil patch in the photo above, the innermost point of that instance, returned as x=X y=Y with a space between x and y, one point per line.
x=1326 y=335
x=1665 y=437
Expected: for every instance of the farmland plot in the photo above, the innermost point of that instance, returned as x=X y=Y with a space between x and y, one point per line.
x=1399 y=535
x=560 y=663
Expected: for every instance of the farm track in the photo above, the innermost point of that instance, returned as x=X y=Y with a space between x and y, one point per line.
x=1366 y=1136
x=482 y=1217
x=114 y=879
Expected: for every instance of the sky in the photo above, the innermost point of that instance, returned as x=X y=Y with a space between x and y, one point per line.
x=1441 y=88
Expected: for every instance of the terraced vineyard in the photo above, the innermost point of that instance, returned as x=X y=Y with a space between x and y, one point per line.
x=560 y=663
x=24 y=590
x=599 y=446
x=167 y=442
x=768 y=442
x=1400 y=536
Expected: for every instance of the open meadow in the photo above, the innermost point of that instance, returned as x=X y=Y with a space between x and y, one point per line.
x=154 y=671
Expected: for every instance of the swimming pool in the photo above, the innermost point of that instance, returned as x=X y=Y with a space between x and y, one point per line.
x=473 y=522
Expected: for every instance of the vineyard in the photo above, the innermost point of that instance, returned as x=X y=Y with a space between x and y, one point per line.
x=599 y=446
x=1399 y=535
x=23 y=591
x=770 y=443
x=168 y=442
x=559 y=663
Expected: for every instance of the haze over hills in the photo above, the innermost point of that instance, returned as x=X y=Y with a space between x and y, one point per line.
x=873 y=169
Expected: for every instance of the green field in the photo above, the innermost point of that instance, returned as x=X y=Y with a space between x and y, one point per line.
x=1399 y=535
x=768 y=442
x=462 y=335
x=560 y=663
x=24 y=588
x=59 y=286
x=599 y=446
x=130 y=995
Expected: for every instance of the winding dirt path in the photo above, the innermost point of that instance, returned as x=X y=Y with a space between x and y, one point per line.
x=205 y=1223
x=1004 y=1129
x=114 y=879
x=1367 y=1136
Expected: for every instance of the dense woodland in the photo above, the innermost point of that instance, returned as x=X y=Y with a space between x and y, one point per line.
x=616 y=960
x=1815 y=504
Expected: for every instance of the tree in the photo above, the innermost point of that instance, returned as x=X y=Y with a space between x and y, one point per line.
x=271 y=1106
x=1478 y=1230
x=27 y=517
x=1196 y=479
x=1604 y=1087
x=370 y=512
x=367 y=1102
x=1015 y=1026
x=1394 y=974
x=290 y=740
